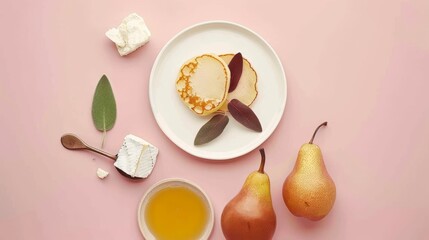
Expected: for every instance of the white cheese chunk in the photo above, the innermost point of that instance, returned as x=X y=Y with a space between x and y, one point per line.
x=131 y=34
x=101 y=173
x=114 y=35
x=136 y=157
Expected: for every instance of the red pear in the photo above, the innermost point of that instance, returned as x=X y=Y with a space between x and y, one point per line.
x=250 y=214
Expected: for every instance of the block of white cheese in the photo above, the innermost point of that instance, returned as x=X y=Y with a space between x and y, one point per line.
x=136 y=157
x=131 y=34
x=101 y=173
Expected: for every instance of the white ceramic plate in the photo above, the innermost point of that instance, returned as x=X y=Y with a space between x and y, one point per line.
x=181 y=125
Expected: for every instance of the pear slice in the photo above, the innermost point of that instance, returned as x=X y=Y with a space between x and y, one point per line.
x=246 y=90
x=203 y=83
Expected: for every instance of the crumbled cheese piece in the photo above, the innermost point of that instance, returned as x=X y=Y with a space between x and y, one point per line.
x=136 y=157
x=114 y=35
x=131 y=34
x=101 y=173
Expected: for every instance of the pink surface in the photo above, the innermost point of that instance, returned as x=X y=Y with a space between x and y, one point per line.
x=361 y=65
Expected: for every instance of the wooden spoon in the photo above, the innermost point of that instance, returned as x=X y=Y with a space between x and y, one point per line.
x=73 y=142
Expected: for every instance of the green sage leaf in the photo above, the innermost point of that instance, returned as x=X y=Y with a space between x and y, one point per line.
x=244 y=115
x=104 y=106
x=212 y=129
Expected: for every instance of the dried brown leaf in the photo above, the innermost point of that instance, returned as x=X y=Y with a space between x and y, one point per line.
x=236 y=68
x=244 y=115
x=212 y=129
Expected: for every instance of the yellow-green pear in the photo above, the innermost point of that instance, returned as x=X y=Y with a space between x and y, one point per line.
x=309 y=191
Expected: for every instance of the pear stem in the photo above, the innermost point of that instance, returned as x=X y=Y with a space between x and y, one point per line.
x=317 y=129
x=261 y=167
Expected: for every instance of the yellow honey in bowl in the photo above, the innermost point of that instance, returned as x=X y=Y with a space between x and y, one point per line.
x=176 y=213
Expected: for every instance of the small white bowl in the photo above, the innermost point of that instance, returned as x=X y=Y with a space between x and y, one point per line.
x=173 y=182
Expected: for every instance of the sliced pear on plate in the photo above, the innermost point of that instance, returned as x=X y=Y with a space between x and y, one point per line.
x=246 y=90
x=203 y=83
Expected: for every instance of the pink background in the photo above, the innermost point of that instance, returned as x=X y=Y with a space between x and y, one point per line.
x=361 y=65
